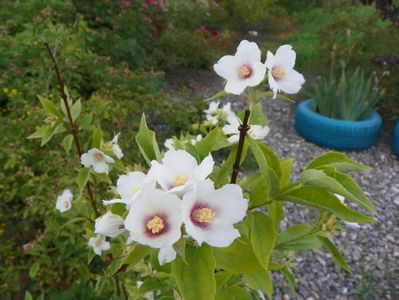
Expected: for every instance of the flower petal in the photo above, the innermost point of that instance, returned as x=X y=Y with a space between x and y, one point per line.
x=248 y=52
x=227 y=67
x=285 y=57
x=203 y=170
x=235 y=86
x=166 y=255
x=221 y=234
x=292 y=82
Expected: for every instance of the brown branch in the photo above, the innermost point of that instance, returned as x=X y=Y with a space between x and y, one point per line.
x=72 y=128
x=243 y=128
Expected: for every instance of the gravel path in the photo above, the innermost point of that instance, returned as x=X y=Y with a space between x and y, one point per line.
x=372 y=251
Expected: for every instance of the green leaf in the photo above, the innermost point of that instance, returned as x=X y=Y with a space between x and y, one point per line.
x=270 y=94
x=83 y=178
x=336 y=255
x=67 y=142
x=39 y=132
x=322 y=199
x=265 y=157
x=290 y=278
x=263 y=237
x=49 y=107
x=50 y=132
x=355 y=192
x=276 y=212
x=131 y=256
x=338 y=161
x=218 y=95
x=221 y=176
x=298 y=238
x=147 y=143
x=28 y=296
x=76 y=109
x=213 y=141
x=260 y=281
x=196 y=279
x=85 y=121
x=97 y=138
x=239 y=258
x=257 y=115
x=234 y=293
x=222 y=278
x=180 y=248
x=34 y=268
x=286 y=170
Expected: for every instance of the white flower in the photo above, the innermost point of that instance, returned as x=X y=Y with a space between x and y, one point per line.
x=166 y=255
x=99 y=244
x=349 y=224
x=128 y=187
x=256 y=132
x=64 y=201
x=214 y=114
x=180 y=171
x=109 y=225
x=97 y=160
x=115 y=147
x=154 y=220
x=209 y=214
x=281 y=73
x=169 y=144
x=196 y=139
x=242 y=70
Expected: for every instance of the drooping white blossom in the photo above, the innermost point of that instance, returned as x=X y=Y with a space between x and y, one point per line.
x=349 y=224
x=179 y=171
x=281 y=73
x=115 y=147
x=242 y=70
x=99 y=244
x=154 y=220
x=209 y=214
x=64 y=201
x=109 y=224
x=97 y=160
x=214 y=114
x=256 y=132
x=128 y=186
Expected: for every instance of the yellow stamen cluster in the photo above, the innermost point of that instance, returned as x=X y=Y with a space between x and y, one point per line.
x=180 y=180
x=278 y=73
x=203 y=215
x=155 y=225
x=244 y=71
x=98 y=156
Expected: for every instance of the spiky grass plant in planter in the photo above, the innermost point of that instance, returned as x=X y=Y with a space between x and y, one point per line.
x=187 y=227
x=341 y=115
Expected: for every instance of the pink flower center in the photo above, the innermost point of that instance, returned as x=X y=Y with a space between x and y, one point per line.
x=278 y=73
x=244 y=72
x=155 y=225
x=202 y=215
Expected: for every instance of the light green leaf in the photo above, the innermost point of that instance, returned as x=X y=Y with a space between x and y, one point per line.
x=265 y=157
x=196 y=279
x=257 y=115
x=28 y=296
x=131 y=256
x=50 y=132
x=49 y=107
x=222 y=278
x=286 y=169
x=322 y=199
x=83 y=178
x=218 y=95
x=67 y=142
x=263 y=237
x=298 y=238
x=336 y=255
x=276 y=212
x=337 y=160
x=180 y=248
x=34 y=268
x=270 y=94
x=234 y=293
x=290 y=278
x=239 y=258
x=221 y=176
x=76 y=109
x=97 y=138
x=260 y=281
x=147 y=143
x=85 y=121
x=213 y=141
x=39 y=132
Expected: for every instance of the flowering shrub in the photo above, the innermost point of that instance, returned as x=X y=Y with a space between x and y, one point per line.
x=189 y=226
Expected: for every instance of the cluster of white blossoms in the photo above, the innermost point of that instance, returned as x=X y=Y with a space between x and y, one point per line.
x=170 y=143
x=98 y=160
x=175 y=199
x=215 y=115
x=245 y=69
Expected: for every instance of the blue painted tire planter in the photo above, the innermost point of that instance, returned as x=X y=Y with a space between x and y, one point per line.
x=395 y=139
x=337 y=134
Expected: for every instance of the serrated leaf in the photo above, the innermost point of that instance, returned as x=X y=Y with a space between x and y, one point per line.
x=83 y=178
x=336 y=255
x=260 y=281
x=322 y=199
x=67 y=142
x=196 y=279
x=147 y=143
x=338 y=161
x=49 y=107
x=263 y=237
x=76 y=109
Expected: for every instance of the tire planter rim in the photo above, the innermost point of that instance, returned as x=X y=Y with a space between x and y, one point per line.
x=337 y=134
x=395 y=139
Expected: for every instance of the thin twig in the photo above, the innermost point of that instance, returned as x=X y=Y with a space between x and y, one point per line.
x=243 y=128
x=72 y=128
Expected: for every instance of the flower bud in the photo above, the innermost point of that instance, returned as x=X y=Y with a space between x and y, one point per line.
x=109 y=225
